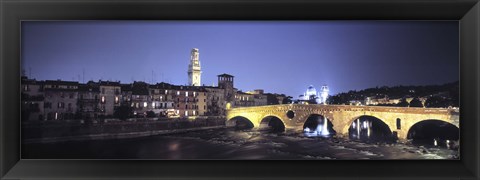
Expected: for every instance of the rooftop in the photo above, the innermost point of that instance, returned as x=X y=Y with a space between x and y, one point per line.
x=225 y=75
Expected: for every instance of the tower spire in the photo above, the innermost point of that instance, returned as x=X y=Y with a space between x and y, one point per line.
x=194 y=69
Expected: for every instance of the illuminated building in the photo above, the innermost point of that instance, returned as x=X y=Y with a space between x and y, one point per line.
x=162 y=99
x=189 y=100
x=138 y=97
x=110 y=95
x=312 y=94
x=323 y=94
x=194 y=70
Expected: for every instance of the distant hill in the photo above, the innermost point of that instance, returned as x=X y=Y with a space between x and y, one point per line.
x=434 y=95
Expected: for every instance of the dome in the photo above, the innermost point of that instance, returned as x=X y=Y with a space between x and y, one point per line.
x=311 y=91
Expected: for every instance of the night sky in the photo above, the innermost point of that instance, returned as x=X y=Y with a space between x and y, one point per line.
x=277 y=56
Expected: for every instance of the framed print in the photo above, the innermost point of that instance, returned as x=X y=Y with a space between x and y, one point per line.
x=207 y=89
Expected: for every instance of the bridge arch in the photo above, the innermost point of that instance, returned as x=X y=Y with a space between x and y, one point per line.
x=272 y=123
x=240 y=122
x=433 y=132
x=368 y=127
x=316 y=122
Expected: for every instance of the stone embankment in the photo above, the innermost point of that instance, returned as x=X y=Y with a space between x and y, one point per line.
x=45 y=132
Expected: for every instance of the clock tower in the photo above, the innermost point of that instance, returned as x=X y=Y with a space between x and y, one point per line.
x=194 y=71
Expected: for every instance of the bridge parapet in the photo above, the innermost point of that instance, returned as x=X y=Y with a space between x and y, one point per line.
x=293 y=107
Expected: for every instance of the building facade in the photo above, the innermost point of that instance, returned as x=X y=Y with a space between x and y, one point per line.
x=89 y=100
x=244 y=99
x=32 y=99
x=60 y=99
x=110 y=96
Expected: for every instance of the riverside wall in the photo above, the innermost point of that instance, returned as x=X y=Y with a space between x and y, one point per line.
x=44 y=131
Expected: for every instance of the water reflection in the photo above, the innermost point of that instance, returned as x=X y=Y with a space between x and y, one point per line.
x=320 y=131
x=434 y=133
x=370 y=129
x=318 y=126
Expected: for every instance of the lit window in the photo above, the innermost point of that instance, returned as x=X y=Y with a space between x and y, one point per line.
x=56 y=116
x=193 y=93
x=153 y=104
x=166 y=91
x=116 y=100
x=186 y=94
x=186 y=113
x=145 y=104
x=178 y=93
x=193 y=113
x=103 y=99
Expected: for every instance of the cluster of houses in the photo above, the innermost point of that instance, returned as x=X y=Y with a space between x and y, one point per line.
x=63 y=100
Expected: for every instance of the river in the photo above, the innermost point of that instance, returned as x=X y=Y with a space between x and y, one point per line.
x=232 y=144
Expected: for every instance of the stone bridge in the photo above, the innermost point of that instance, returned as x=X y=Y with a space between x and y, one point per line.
x=342 y=116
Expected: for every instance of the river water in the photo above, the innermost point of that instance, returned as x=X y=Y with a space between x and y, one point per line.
x=233 y=144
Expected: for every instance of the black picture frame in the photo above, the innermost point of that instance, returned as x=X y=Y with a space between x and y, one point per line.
x=12 y=12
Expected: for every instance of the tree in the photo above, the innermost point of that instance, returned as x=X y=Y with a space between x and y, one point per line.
x=312 y=99
x=123 y=112
x=436 y=101
x=271 y=99
x=287 y=100
x=416 y=103
x=337 y=99
x=403 y=103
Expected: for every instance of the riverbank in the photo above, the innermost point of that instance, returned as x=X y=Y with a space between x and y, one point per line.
x=49 y=132
x=106 y=136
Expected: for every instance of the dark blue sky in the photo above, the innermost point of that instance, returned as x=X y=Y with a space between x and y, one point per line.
x=277 y=56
